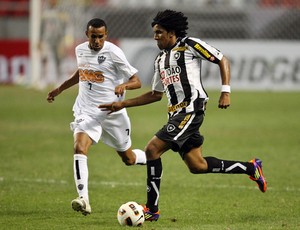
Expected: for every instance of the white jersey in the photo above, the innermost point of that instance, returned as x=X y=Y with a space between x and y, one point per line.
x=99 y=73
x=178 y=74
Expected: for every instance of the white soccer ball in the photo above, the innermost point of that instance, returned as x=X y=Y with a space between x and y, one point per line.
x=131 y=214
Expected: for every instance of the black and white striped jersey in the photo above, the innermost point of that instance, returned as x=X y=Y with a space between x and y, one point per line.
x=178 y=74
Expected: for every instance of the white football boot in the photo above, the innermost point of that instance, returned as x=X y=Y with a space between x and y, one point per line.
x=81 y=205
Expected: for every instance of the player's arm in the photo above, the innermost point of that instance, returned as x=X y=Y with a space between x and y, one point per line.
x=73 y=80
x=224 y=66
x=133 y=83
x=144 y=99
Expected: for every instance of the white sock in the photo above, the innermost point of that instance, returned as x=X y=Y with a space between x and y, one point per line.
x=81 y=175
x=140 y=157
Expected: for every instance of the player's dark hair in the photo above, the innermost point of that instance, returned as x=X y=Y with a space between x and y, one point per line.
x=96 y=23
x=172 y=21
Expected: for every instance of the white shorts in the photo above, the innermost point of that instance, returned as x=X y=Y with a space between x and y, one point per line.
x=114 y=130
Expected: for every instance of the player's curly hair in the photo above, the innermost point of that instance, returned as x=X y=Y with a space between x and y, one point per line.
x=96 y=23
x=172 y=20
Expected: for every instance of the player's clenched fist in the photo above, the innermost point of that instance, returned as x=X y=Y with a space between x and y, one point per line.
x=52 y=95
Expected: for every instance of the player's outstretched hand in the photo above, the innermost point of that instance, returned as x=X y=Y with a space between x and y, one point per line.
x=52 y=95
x=112 y=107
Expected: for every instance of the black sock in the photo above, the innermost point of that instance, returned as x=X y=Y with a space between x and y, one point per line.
x=154 y=173
x=224 y=166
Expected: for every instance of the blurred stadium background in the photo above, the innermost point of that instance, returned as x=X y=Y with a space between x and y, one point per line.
x=261 y=37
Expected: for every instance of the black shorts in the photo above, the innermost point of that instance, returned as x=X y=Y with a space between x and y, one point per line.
x=182 y=132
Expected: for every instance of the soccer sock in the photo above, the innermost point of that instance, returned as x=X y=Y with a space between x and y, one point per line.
x=81 y=175
x=154 y=173
x=140 y=157
x=224 y=166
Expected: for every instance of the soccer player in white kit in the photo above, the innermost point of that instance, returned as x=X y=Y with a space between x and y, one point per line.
x=103 y=75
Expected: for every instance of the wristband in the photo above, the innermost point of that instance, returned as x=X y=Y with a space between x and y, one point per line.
x=225 y=89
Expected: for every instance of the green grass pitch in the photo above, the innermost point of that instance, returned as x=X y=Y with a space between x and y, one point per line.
x=36 y=174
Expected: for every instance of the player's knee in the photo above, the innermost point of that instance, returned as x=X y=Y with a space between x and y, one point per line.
x=149 y=151
x=128 y=157
x=80 y=149
x=128 y=161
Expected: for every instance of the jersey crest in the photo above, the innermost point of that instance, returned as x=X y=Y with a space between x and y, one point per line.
x=176 y=55
x=101 y=59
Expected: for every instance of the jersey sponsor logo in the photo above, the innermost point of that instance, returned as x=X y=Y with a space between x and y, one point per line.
x=101 y=59
x=91 y=76
x=170 y=75
x=203 y=51
x=181 y=105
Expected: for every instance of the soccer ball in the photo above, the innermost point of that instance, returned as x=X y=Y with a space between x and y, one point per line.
x=131 y=214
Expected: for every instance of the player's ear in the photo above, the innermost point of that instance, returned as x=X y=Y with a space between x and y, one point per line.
x=86 y=33
x=172 y=33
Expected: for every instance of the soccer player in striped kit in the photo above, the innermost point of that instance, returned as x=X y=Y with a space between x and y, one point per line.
x=178 y=75
x=103 y=75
